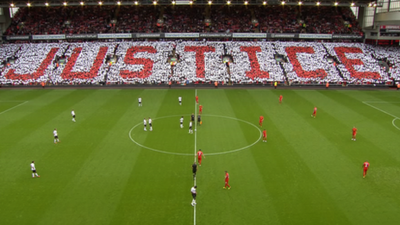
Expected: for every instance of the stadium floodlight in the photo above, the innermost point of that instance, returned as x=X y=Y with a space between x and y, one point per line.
x=173 y=2
x=318 y=3
x=228 y=2
x=300 y=3
x=264 y=3
x=246 y=2
x=12 y=5
x=136 y=2
x=118 y=3
x=352 y=4
x=190 y=2
x=82 y=3
x=370 y=4
x=65 y=3
x=28 y=4
x=209 y=2
x=154 y=2
x=100 y=3
x=46 y=4
x=336 y=3
x=283 y=2
x=374 y=4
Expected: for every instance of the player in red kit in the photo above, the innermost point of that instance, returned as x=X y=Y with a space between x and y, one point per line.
x=200 y=109
x=197 y=99
x=365 y=167
x=227 y=180
x=354 y=134
x=261 y=120
x=314 y=114
x=265 y=135
x=280 y=99
x=200 y=155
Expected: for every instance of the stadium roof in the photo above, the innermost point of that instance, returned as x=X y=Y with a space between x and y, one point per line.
x=43 y=3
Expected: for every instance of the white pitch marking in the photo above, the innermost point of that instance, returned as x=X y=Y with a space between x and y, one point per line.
x=379 y=109
x=395 y=117
x=13 y=107
x=393 y=123
x=190 y=154
x=195 y=147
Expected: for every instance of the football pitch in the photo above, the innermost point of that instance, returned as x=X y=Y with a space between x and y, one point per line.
x=107 y=170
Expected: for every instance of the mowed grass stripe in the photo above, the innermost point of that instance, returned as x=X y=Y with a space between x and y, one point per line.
x=217 y=134
x=17 y=97
x=157 y=179
x=90 y=190
x=306 y=174
x=8 y=106
x=376 y=144
x=215 y=102
x=340 y=121
x=38 y=193
x=296 y=190
x=21 y=95
x=383 y=95
x=166 y=122
x=338 y=171
x=24 y=141
x=24 y=144
x=246 y=171
x=373 y=135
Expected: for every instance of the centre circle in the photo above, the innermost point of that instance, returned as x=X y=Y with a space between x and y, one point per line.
x=205 y=133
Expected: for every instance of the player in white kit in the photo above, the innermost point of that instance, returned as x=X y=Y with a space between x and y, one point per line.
x=33 y=168
x=194 y=194
x=145 y=124
x=180 y=100
x=73 y=115
x=150 y=124
x=190 y=127
x=140 y=101
x=55 y=134
x=181 y=121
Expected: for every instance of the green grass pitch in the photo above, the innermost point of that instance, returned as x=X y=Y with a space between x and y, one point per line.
x=107 y=170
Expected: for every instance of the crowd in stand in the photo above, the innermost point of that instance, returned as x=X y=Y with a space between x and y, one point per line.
x=255 y=62
x=330 y=20
x=276 y=20
x=183 y=19
x=6 y=55
x=231 y=19
x=199 y=62
x=389 y=55
x=134 y=19
x=151 y=19
x=307 y=63
x=357 y=63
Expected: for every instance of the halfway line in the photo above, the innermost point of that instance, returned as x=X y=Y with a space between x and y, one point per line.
x=195 y=147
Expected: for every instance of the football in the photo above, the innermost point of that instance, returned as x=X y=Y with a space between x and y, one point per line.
x=195 y=129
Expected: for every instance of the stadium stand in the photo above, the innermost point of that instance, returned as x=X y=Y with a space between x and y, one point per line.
x=149 y=19
x=147 y=62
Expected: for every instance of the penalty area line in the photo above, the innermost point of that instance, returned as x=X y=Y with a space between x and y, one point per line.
x=13 y=107
x=380 y=110
x=395 y=117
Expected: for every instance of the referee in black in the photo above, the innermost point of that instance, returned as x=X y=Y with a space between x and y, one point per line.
x=199 y=119
x=194 y=169
x=192 y=117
